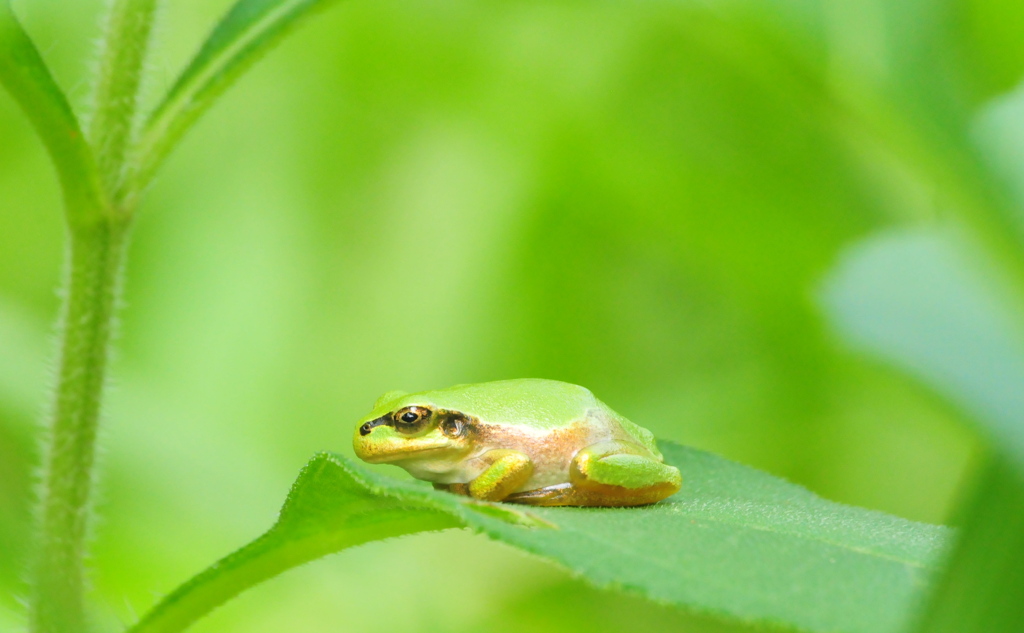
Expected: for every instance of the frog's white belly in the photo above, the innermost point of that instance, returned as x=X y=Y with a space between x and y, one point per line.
x=442 y=471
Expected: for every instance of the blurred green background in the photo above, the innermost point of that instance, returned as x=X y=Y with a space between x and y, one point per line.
x=642 y=198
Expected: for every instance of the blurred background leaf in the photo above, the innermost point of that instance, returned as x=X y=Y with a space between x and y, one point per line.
x=636 y=197
x=989 y=38
x=241 y=37
x=918 y=300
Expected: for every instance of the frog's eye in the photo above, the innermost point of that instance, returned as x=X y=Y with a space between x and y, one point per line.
x=411 y=419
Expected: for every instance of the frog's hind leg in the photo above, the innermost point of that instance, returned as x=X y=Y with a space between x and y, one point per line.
x=612 y=473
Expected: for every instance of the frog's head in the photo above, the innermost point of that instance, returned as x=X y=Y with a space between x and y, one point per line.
x=403 y=427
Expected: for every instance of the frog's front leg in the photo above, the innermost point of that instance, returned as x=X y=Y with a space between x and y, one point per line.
x=505 y=472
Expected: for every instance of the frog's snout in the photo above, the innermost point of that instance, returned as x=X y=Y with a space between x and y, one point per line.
x=369 y=447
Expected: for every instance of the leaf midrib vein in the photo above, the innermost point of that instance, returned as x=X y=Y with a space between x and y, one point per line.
x=761 y=528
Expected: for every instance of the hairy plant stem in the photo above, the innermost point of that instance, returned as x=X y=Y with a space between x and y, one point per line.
x=129 y=26
x=95 y=259
x=96 y=254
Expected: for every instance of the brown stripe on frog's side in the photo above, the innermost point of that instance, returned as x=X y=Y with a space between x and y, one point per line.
x=550 y=450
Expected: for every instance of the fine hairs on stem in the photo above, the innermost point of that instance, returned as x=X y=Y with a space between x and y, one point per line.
x=102 y=171
x=96 y=254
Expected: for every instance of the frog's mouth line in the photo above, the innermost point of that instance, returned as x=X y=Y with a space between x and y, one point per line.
x=390 y=458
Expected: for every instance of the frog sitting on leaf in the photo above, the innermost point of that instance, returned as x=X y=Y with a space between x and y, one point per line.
x=539 y=442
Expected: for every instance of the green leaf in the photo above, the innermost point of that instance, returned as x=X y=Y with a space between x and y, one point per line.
x=249 y=29
x=24 y=74
x=914 y=299
x=736 y=543
x=983 y=591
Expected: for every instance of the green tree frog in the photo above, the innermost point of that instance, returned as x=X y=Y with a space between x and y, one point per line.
x=539 y=442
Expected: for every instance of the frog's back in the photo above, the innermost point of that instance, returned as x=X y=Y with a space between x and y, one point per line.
x=543 y=405
x=633 y=431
